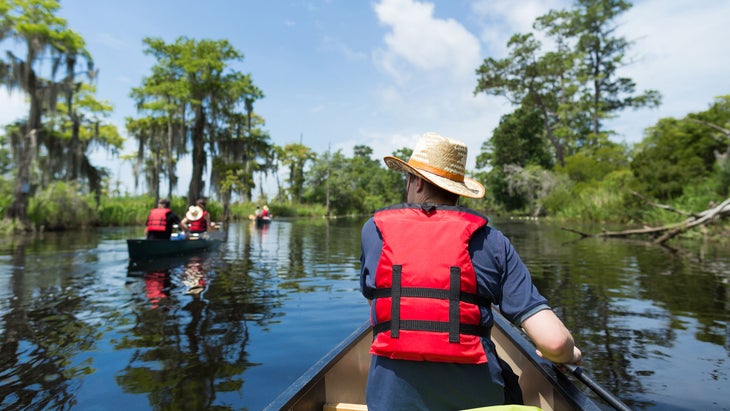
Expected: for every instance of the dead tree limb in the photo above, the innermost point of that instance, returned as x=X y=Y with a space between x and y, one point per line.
x=668 y=231
x=712 y=126
x=662 y=206
x=706 y=216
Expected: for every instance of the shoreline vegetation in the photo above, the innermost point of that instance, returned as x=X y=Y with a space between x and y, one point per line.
x=62 y=208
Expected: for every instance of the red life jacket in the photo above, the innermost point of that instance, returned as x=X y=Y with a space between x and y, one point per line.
x=157 y=221
x=425 y=303
x=200 y=225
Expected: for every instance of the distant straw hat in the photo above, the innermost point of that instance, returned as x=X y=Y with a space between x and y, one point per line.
x=194 y=213
x=442 y=162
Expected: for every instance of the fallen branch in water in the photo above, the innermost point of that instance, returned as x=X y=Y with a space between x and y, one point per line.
x=668 y=231
x=662 y=206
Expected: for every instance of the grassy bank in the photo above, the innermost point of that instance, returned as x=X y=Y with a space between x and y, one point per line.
x=60 y=207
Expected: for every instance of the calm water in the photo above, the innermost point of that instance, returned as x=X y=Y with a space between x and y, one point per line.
x=82 y=330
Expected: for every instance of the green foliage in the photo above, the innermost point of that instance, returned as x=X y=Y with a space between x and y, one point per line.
x=6 y=194
x=54 y=55
x=674 y=155
x=721 y=179
x=597 y=201
x=194 y=94
x=357 y=185
x=590 y=30
x=498 y=189
x=518 y=140
x=567 y=92
x=562 y=97
x=125 y=211
x=297 y=210
x=593 y=164
x=133 y=210
x=60 y=206
x=295 y=157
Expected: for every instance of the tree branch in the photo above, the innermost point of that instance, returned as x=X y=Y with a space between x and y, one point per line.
x=662 y=206
x=668 y=231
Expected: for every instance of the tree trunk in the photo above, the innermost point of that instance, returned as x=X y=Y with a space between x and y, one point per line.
x=169 y=163
x=24 y=150
x=199 y=157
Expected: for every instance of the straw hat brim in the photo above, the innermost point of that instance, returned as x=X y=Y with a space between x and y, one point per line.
x=194 y=213
x=469 y=188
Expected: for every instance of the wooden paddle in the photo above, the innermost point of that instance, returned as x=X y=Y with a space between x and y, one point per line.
x=601 y=391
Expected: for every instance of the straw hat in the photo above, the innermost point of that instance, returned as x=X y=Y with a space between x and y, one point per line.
x=442 y=162
x=194 y=213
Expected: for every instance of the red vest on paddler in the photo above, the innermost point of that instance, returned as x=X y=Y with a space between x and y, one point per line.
x=199 y=225
x=425 y=305
x=157 y=220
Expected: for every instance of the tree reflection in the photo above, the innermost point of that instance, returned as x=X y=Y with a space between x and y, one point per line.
x=188 y=347
x=624 y=302
x=42 y=332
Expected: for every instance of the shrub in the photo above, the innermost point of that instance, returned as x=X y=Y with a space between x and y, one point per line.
x=61 y=206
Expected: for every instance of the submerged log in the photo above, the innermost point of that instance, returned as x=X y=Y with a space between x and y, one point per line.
x=667 y=232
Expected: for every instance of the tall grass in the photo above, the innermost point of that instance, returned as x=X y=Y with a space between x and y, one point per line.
x=606 y=201
x=59 y=206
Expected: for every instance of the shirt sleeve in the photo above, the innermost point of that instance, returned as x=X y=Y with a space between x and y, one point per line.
x=371 y=245
x=503 y=277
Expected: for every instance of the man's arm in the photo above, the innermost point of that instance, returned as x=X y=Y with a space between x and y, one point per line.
x=554 y=342
x=183 y=224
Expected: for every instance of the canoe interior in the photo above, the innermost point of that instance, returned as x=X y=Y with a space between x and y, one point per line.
x=339 y=378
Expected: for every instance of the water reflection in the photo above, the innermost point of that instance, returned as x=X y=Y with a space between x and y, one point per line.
x=652 y=321
x=43 y=329
x=83 y=328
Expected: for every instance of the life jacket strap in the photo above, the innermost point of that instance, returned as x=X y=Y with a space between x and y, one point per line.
x=433 y=326
x=453 y=295
x=433 y=293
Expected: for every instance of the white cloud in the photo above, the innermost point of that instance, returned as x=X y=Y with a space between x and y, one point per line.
x=429 y=64
x=680 y=49
x=420 y=41
x=503 y=18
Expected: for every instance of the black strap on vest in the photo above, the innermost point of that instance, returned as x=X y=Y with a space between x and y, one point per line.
x=433 y=326
x=395 y=302
x=454 y=295
x=433 y=293
x=455 y=290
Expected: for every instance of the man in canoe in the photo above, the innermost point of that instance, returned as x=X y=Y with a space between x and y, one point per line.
x=161 y=220
x=431 y=271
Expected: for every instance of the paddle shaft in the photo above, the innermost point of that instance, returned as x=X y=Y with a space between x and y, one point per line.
x=597 y=388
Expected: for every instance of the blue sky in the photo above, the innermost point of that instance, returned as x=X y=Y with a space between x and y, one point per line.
x=337 y=73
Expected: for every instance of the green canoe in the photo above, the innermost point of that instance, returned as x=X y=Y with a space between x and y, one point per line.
x=143 y=249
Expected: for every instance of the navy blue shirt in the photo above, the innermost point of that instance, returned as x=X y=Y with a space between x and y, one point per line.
x=502 y=278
